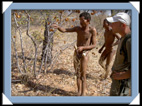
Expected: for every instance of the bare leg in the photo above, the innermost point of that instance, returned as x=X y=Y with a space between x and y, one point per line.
x=102 y=59
x=79 y=83
x=84 y=62
x=108 y=61
x=101 y=62
x=77 y=73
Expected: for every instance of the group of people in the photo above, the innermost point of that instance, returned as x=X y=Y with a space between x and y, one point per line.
x=120 y=72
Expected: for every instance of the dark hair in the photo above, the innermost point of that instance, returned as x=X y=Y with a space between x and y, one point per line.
x=86 y=15
x=105 y=20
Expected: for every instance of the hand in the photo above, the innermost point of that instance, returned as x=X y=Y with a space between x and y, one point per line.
x=100 y=50
x=55 y=26
x=80 y=49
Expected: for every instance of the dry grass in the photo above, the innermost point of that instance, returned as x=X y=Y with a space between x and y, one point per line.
x=60 y=81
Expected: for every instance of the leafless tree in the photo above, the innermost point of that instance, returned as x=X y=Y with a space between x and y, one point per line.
x=35 y=45
x=19 y=28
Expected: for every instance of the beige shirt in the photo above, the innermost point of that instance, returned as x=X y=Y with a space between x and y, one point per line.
x=118 y=63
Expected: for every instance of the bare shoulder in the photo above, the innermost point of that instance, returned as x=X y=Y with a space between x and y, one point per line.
x=93 y=30
x=77 y=27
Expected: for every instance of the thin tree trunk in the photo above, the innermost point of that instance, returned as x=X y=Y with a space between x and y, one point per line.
x=23 y=57
x=28 y=26
x=16 y=55
x=48 y=40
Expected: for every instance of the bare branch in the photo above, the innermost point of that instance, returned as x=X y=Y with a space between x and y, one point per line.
x=20 y=33
x=58 y=53
x=17 y=60
x=43 y=56
x=28 y=26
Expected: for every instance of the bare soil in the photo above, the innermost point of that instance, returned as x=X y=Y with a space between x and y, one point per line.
x=61 y=80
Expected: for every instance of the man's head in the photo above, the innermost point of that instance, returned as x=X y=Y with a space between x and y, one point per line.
x=105 y=23
x=119 y=22
x=85 y=18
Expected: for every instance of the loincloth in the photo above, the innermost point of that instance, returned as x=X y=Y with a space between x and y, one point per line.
x=77 y=62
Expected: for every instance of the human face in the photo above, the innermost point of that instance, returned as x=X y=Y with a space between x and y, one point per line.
x=116 y=27
x=83 y=21
x=105 y=24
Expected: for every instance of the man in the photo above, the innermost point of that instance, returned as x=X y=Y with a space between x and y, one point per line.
x=86 y=40
x=109 y=51
x=121 y=70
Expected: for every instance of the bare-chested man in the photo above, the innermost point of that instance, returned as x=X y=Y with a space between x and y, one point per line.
x=86 y=40
x=109 y=50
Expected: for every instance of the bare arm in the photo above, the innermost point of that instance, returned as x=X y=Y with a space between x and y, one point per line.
x=61 y=29
x=93 y=42
x=100 y=50
x=118 y=40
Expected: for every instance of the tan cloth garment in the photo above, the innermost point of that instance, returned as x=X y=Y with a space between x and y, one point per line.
x=77 y=60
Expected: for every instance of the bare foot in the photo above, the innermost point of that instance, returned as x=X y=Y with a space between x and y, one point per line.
x=107 y=75
x=83 y=94
x=105 y=78
x=79 y=93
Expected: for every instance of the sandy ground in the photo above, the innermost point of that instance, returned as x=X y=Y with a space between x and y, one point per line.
x=61 y=80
